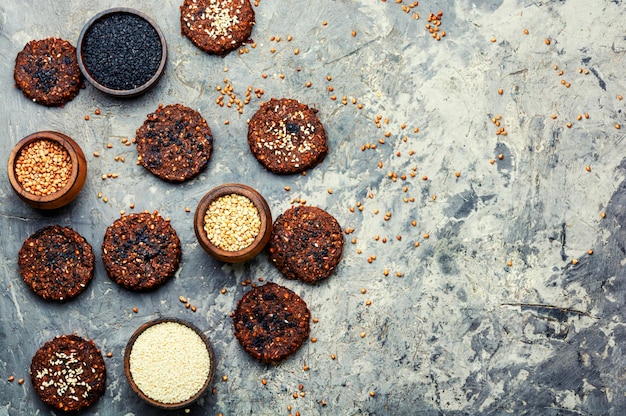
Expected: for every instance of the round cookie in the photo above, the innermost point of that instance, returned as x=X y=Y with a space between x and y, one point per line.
x=141 y=251
x=47 y=71
x=217 y=26
x=174 y=143
x=56 y=263
x=271 y=322
x=286 y=136
x=306 y=243
x=68 y=373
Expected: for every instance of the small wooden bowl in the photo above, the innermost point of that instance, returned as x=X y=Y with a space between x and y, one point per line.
x=121 y=93
x=155 y=403
x=261 y=239
x=76 y=179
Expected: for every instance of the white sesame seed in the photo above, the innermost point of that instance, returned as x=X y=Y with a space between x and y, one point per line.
x=216 y=19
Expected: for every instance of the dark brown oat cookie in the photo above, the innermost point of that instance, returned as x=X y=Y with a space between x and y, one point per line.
x=271 y=322
x=217 y=26
x=141 y=251
x=47 y=71
x=306 y=243
x=68 y=373
x=56 y=262
x=286 y=136
x=174 y=143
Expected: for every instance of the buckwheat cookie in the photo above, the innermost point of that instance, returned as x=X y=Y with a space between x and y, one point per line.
x=141 y=251
x=56 y=263
x=286 y=136
x=306 y=243
x=271 y=322
x=217 y=26
x=47 y=71
x=68 y=373
x=174 y=143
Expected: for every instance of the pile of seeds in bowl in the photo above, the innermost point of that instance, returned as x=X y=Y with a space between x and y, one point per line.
x=43 y=167
x=232 y=222
x=122 y=51
x=169 y=362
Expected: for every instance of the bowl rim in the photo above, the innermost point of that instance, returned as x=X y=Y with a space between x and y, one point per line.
x=72 y=148
x=122 y=93
x=141 y=394
x=264 y=213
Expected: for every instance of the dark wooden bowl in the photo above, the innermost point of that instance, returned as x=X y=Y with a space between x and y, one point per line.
x=131 y=382
x=77 y=175
x=261 y=239
x=121 y=93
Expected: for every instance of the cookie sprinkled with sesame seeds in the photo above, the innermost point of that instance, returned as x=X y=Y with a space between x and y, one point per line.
x=68 y=373
x=174 y=143
x=286 y=136
x=217 y=26
x=47 y=71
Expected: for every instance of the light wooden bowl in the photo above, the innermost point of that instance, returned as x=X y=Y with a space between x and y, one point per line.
x=261 y=239
x=155 y=403
x=77 y=175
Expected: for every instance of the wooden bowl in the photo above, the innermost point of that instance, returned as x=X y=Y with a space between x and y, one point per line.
x=113 y=92
x=77 y=176
x=141 y=394
x=260 y=240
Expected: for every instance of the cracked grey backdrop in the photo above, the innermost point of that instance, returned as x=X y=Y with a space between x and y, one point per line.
x=501 y=310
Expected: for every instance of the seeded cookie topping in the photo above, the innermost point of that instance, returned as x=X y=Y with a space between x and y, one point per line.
x=306 y=243
x=174 y=143
x=271 y=322
x=68 y=373
x=141 y=251
x=287 y=136
x=66 y=376
x=216 y=15
x=47 y=71
x=56 y=263
x=287 y=143
x=217 y=26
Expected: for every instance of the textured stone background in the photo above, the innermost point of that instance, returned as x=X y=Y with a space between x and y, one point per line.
x=462 y=331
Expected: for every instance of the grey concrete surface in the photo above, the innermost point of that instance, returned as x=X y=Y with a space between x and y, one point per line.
x=491 y=314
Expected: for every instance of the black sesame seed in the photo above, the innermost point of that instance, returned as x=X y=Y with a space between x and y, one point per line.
x=121 y=51
x=292 y=128
x=46 y=79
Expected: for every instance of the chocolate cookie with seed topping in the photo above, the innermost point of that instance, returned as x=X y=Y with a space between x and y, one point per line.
x=47 y=71
x=68 y=373
x=174 y=143
x=306 y=243
x=141 y=251
x=286 y=136
x=217 y=26
x=271 y=322
x=56 y=263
